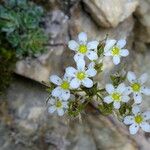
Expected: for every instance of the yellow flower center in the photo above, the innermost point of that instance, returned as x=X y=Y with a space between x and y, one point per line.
x=83 y=49
x=81 y=75
x=65 y=85
x=115 y=50
x=58 y=104
x=138 y=119
x=116 y=96
x=136 y=87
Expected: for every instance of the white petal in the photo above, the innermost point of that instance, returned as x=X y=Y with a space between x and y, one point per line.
x=125 y=98
x=51 y=109
x=109 y=44
x=133 y=129
x=145 y=126
x=51 y=101
x=75 y=83
x=121 y=88
x=80 y=65
x=91 y=65
x=145 y=90
x=91 y=72
x=82 y=38
x=55 y=79
x=131 y=76
x=116 y=105
x=57 y=92
x=78 y=57
x=128 y=90
x=92 y=55
x=109 y=88
x=136 y=110
x=108 y=99
x=66 y=77
x=65 y=104
x=128 y=120
x=146 y=115
x=60 y=112
x=108 y=53
x=73 y=45
x=87 y=83
x=116 y=60
x=121 y=43
x=124 y=52
x=143 y=78
x=65 y=95
x=137 y=98
x=70 y=71
x=92 y=45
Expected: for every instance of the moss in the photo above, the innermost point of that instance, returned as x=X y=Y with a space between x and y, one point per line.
x=20 y=24
x=7 y=62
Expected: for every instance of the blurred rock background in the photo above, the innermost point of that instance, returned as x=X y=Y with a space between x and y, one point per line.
x=24 y=122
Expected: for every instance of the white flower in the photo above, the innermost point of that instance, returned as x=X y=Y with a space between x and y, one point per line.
x=115 y=49
x=80 y=76
x=56 y=104
x=137 y=120
x=62 y=90
x=137 y=86
x=83 y=48
x=116 y=95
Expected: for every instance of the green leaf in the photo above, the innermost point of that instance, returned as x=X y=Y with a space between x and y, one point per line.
x=90 y=91
x=125 y=109
x=100 y=49
x=117 y=79
x=106 y=109
x=20 y=21
x=99 y=67
x=14 y=39
x=75 y=107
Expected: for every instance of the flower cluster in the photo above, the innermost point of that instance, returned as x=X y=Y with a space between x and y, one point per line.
x=123 y=94
x=70 y=94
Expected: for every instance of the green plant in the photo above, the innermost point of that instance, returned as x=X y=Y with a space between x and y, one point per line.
x=7 y=61
x=20 y=22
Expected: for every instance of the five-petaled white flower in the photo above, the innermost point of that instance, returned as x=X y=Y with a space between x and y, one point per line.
x=137 y=86
x=83 y=48
x=115 y=49
x=116 y=95
x=81 y=75
x=57 y=104
x=62 y=90
x=137 y=120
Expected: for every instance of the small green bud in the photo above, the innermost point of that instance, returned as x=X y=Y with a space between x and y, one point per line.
x=100 y=49
x=106 y=109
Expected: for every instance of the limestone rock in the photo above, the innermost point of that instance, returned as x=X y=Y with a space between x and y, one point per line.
x=39 y=69
x=109 y=13
x=80 y=21
x=56 y=26
x=43 y=131
x=142 y=29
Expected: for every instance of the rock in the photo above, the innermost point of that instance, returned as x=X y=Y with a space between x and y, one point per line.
x=56 y=26
x=39 y=69
x=109 y=13
x=80 y=21
x=103 y=130
x=142 y=29
x=43 y=131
